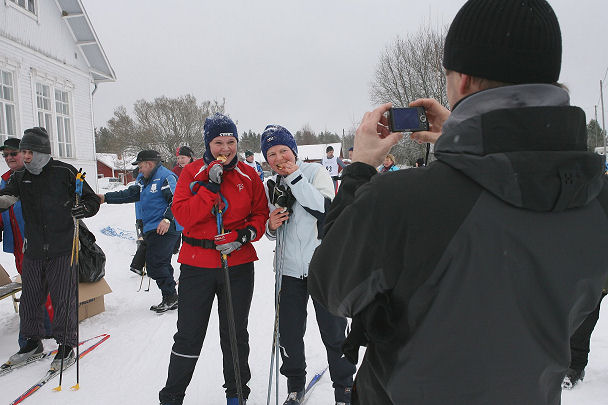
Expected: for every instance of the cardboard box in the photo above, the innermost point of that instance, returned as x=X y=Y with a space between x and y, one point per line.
x=90 y=298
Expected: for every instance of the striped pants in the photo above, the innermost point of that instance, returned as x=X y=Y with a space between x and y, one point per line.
x=39 y=277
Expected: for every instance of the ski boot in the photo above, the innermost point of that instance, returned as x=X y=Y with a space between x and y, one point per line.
x=66 y=353
x=572 y=378
x=30 y=352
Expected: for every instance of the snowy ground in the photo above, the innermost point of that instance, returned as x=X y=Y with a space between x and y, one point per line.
x=131 y=367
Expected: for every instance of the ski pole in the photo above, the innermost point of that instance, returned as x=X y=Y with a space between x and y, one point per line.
x=74 y=276
x=229 y=307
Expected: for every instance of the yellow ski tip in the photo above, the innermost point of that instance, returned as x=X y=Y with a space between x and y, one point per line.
x=75 y=387
x=57 y=389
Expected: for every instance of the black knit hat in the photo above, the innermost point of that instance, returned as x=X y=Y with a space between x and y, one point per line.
x=36 y=139
x=11 y=143
x=185 y=151
x=511 y=41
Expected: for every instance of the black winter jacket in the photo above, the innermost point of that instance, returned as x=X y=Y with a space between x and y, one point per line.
x=467 y=278
x=46 y=201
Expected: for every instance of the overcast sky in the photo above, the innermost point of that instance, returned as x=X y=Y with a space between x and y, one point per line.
x=295 y=62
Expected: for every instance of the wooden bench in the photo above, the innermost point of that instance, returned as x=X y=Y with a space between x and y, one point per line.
x=9 y=290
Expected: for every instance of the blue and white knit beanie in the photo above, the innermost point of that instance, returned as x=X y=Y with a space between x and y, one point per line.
x=218 y=125
x=277 y=135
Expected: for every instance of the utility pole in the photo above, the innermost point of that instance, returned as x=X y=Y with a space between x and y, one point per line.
x=603 y=121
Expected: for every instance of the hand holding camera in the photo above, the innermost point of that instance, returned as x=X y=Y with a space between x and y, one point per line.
x=373 y=139
x=436 y=115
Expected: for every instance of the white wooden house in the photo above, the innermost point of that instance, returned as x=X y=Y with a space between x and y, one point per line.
x=51 y=62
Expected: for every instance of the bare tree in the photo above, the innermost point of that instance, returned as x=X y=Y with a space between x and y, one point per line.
x=411 y=68
x=165 y=124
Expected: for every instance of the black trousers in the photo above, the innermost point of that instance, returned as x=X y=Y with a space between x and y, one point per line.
x=139 y=259
x=198 y=287
x=39 y=277
x=292 y=326
x=579 y=342
x=159 y=249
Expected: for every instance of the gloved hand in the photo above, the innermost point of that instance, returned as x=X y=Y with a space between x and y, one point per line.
x=280 y=195
x=228 y=242
x=216 y=170
x=196 y=185
x=79 y=211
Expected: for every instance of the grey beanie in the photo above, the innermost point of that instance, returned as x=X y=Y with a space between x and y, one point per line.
x=36 y=139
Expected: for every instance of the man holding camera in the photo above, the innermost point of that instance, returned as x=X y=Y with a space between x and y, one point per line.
x=469 y=294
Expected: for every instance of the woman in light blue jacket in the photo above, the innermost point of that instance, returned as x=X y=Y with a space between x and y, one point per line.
x=299 y=197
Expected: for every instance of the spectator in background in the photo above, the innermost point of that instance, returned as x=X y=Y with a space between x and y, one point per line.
x=256 y=165
x=153 y=191
x=333 y=164
x=388 y=165
x=185 y=155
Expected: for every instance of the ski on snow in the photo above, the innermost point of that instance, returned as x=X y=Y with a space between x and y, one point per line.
x=54 y=373
x=312 y=384
x=8 y=368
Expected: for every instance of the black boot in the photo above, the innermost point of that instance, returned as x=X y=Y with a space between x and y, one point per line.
x=295 y=398
x=572 y=378
x=168 y=303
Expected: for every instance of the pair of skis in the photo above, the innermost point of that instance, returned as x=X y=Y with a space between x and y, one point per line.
x=53 y=373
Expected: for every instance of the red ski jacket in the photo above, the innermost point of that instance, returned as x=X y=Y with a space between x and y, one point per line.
x=247 y=206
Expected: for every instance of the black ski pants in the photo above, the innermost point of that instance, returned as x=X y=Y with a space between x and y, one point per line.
x=292 y=326
x=579 y=342
x=198 y=287
x=39 y=277
x=139 y=259
x=159 y=249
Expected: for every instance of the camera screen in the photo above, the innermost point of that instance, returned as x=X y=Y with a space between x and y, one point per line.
x=406 y=118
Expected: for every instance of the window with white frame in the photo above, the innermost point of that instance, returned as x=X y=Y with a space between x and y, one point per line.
x=8 y=126
x=29 y=5
x=64 y=133
x=54 y=114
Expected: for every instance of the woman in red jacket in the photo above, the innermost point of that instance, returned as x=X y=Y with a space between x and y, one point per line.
x=219 y=176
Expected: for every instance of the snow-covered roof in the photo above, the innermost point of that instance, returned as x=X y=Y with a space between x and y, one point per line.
x=113 y=162
x=78 y=22
x=317 y=152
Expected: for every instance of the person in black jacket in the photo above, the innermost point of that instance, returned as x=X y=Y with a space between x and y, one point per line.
x=468 y=282
x=47 y=190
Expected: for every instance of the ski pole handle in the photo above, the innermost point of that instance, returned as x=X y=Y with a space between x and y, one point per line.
x=79 y=182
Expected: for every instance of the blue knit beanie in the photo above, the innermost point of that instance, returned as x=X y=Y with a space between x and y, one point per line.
x=277 y=135
x=218 y=125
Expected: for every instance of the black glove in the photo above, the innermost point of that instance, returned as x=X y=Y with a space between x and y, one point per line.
x=280 y=196
x=79 y=211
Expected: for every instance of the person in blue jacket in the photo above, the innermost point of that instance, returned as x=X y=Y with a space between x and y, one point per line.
x=154 y=194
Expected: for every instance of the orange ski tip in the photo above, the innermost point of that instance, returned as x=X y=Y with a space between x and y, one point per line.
x=57 y=388
x=75 y=387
